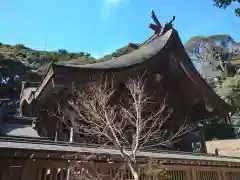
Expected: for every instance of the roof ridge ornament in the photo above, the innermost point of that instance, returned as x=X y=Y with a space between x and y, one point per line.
x=157 y=28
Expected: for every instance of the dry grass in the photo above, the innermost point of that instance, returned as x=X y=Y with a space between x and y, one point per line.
x=225 y=147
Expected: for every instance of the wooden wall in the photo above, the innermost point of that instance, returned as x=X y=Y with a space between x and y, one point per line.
x=60 y=170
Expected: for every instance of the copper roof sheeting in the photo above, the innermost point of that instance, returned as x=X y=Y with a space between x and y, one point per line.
x=134 y=58
x=158 y=46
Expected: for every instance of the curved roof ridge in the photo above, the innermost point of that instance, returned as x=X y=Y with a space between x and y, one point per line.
x=135 y=57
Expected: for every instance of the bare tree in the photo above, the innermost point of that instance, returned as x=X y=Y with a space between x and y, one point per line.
x=199 y=51
x=127 y=125
x=90 y=171
x=206 y=51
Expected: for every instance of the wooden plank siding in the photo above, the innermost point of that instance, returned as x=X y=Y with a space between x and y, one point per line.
x=59 y=170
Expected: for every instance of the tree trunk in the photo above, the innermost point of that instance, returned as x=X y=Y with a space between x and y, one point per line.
x=133 y=170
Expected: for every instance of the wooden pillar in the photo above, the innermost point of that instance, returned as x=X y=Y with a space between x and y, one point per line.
x=68 y=174
x=188 y=170
x=194 y=171
x=219 y=174
x=203 y=142
x=45 y=175
x=56 y=136
x=223 y=174
x=55 y=173
x=61 y=175
x=39 y=174
x=51 y=174
x=202 y=138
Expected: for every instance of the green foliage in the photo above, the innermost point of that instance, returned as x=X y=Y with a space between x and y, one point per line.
x=219 y=36
x=25 y=63
x=225 y=3
x=208 y=38
x=19 y=46
x=153 y=170
x=1 y=56
x=62 y=51
x=229 y=89
x=122 y=51
x=119 y=52
x=35 y=59
x=237 y=11
x=195 y=38
x=236 y=58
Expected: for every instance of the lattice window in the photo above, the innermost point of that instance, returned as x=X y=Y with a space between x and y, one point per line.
x=233 y=175
x=176 y=175
x=208 y=175
x=53 y=173
x=172 y=175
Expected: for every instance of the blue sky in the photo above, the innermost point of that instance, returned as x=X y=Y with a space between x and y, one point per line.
x=101 y=26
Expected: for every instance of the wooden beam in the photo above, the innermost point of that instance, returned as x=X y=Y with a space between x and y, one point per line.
x=155 y=19
x=155 y=28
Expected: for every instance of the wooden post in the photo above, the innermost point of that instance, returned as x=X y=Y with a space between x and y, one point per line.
x=45 y=175
x=203 y=141
x=68 y=174
x=61 y=175
x=39 y=174
x=194 y=173
x=55 y=174
x=56 y=132
x=71 y=135
x=56 y=136
x=223 y=174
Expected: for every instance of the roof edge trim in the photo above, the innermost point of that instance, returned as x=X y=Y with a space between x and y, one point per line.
x=49 y=74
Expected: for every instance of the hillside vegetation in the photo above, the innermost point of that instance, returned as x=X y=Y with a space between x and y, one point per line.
x=19 y=63
x=37 y=59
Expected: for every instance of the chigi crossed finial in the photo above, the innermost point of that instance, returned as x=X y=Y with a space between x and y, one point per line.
x=157 y=27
